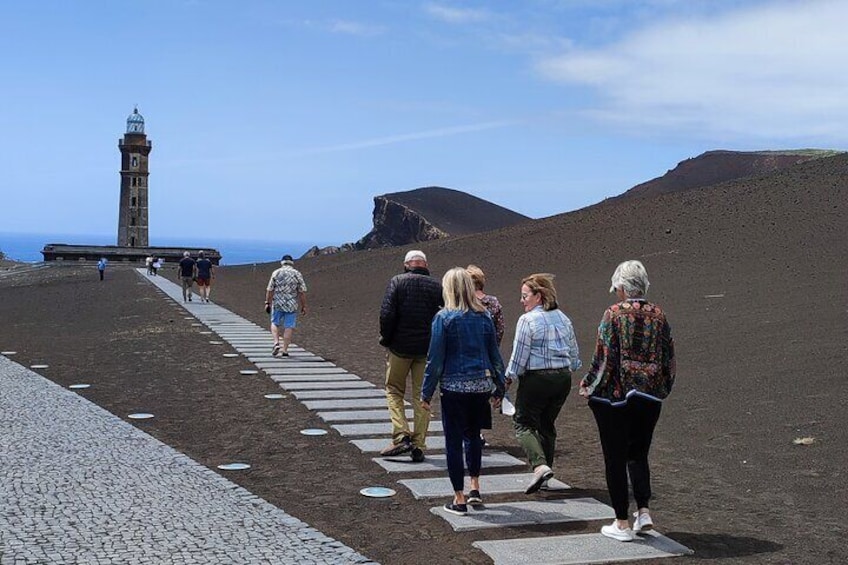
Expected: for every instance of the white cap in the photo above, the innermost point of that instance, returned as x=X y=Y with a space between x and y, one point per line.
x=413 y=255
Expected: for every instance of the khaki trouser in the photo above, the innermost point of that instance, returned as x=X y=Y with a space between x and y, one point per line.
x=397 y=369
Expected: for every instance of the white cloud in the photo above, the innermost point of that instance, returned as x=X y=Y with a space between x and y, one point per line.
x=355 y=28
x=455 y=15
x=400 y=138
x=773 y=72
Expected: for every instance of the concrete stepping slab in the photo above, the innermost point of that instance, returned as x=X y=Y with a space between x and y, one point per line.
x=302 y=370
x=263 y=358
x=527 y=513
x=377 y=445
x=344 y=393
x=489 y=484
x=579 y=548
x=317 y=378
x=376 y=429
x=356 y=415
x=323 y=384
x=438 y=462
x=347 y=403
x=296 y=365
x=266 y=357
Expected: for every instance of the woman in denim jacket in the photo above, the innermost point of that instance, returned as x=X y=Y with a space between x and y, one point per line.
x=464 y=361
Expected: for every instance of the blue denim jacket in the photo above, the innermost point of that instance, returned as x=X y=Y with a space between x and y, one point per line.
x=463 y=355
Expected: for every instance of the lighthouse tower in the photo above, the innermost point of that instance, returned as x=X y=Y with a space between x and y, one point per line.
x=132 y=211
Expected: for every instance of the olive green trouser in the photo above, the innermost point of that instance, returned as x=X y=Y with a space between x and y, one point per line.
x=538 y=402
x=397 y=369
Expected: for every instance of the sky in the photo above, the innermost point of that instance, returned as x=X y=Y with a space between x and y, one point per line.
x=282 y=120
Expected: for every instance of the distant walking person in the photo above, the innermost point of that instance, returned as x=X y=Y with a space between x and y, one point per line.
x=157 y=264
x=544 y=354
x=205 y=275
x=149 y=263
x=101 y=267
x=406 y=314
x=284 y=296
x=633 y=370
x=465 y=363
x=188 y=272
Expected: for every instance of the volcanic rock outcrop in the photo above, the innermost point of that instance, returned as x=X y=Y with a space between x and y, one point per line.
x=425 y=214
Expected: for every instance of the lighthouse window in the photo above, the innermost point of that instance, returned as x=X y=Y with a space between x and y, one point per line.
x=135 y=161
x=132 y=221
x=132 y=202
x=133 y=181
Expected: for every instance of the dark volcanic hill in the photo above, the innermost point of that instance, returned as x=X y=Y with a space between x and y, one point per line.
x=714 y=167
x=753 y=276
x=431 y=213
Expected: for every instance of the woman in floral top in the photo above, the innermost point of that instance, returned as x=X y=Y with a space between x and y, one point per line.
x=490 y=302
x=632 y=372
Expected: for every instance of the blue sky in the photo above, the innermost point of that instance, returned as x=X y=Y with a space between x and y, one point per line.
x=281 y=120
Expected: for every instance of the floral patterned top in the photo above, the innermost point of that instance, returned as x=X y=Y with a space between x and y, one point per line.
x=494 y=307
x=634 y=354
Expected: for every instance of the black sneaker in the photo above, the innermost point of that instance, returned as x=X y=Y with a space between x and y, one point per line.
x=417 y=455
x=458 y=509
x=405 y=446
x=474 y=497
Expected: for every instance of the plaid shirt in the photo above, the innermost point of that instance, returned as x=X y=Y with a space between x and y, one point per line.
x=287 y=283
x=543 y=340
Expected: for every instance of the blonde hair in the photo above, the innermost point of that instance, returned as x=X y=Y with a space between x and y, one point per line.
x=543 y=284
x=458 y=291
x=478 y=277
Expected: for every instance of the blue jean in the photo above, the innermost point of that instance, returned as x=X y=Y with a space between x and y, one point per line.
x=463 y=416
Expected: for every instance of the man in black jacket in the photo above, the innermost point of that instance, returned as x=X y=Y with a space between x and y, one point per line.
x=410 y=302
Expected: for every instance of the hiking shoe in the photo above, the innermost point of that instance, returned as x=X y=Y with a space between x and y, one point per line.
x=276 y=350
x=642 y=522
x=458 y=509
x=404 y=446
x=417 y=455
x=474 y=497
x=540 y=475
x=616 y=533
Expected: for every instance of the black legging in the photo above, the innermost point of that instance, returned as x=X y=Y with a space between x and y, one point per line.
x=626 y=432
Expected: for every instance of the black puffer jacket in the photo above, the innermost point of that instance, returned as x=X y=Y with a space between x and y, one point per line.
x=410 y=302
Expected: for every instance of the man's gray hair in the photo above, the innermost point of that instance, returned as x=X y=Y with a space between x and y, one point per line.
x=632 y=278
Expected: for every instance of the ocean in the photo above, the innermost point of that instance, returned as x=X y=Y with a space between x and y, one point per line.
x=27 y=246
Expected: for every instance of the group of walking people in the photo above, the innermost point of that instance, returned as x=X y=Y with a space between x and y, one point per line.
x=445 y=338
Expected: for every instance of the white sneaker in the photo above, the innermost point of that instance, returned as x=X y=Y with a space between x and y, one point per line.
x=540 y=474
x=642 y=522
x=616 y=533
